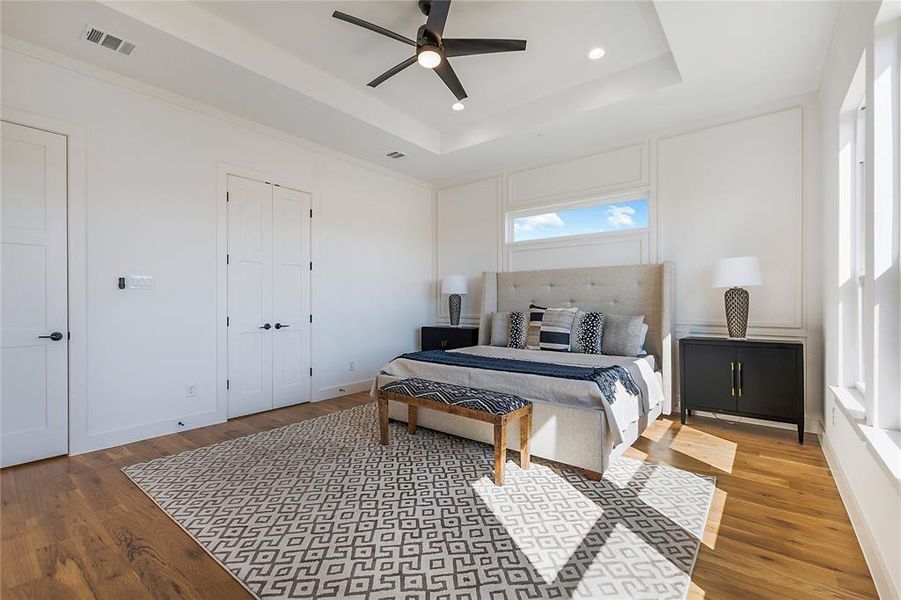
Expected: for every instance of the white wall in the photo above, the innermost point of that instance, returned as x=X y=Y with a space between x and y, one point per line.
x=732 y=185
x=152 y=206
x=871 y=494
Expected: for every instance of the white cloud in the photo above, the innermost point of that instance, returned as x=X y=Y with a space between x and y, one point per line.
x=620 y=216
x=538 y=222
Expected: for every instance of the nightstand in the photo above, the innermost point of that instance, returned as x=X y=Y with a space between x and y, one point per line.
x=448 y=338
x=748 y=378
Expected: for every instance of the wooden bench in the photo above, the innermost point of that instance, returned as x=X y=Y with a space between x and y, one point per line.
x=482 y=405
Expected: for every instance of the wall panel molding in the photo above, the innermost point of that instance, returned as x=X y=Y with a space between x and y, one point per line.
x=613 y=170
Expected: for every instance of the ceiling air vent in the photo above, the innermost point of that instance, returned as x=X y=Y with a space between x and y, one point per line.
x=395 y=154
x=108 y=41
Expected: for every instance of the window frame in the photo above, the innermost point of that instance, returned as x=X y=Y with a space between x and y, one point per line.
x=593 y=201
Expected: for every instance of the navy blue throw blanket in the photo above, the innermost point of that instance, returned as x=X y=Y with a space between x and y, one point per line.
x=604 y=377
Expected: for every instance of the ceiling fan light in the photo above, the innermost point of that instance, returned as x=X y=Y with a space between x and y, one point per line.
x=596 y=53
x=457 y=106
x=428 y=56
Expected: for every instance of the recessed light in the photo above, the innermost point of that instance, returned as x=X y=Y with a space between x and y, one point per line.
x=458 y=106
x=596 y=53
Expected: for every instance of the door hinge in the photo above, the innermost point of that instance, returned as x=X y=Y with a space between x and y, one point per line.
x=311 y=213
x=228 y=321
x=311 y=371
x=227 y=259
x=311 y=265
x=226 y=196
x=311 y=318
x=68 y=335
x=228 y=384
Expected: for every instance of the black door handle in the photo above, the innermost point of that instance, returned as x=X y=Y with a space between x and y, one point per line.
x=266 y=326
x=55 y=336
x=280 y=325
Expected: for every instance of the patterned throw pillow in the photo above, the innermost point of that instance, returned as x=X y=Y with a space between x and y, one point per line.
x=517 y=337
x=588 y=332
x=556 y=327
x=533 y=339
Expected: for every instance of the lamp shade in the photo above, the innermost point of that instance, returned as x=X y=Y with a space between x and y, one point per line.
x=454 y=284
x=740 y=271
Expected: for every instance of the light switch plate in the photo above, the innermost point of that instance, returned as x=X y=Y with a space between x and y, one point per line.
x=140 y=282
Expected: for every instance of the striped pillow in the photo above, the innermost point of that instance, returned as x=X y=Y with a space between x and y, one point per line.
x=556 y=327
x=533 y=339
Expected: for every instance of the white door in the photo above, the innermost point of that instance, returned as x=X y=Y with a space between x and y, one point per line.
x=34 y=401
x=249 y=296
x=268 y=296
x=291 y=298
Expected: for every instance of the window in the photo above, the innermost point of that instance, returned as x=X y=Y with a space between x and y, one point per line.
x=606 y=217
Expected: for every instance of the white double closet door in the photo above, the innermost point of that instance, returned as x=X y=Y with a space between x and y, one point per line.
x=268 y=296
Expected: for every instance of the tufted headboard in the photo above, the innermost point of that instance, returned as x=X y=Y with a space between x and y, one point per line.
x=625 y=290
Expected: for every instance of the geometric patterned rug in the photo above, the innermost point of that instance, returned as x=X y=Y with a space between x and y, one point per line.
x=318 y=509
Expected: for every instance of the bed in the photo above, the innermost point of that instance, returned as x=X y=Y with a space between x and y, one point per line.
x=570 y=424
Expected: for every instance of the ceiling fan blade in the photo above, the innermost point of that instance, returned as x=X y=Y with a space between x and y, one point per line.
x=447 y=75
x=437 y=18
x=392 y=72
x=372 y=27
x=469 y=47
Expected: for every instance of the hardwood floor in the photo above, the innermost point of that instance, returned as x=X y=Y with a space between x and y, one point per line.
x=78 y=528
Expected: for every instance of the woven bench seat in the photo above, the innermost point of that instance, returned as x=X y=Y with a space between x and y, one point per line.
x=488 y=406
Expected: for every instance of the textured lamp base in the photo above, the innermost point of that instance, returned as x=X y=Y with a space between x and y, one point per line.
x=454 y=303
x=737 y=303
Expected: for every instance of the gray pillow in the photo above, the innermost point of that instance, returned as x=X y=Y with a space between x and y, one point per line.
x=622 y=335
x=500 y=329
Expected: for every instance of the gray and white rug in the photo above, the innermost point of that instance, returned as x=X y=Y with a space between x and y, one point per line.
x=318 y=509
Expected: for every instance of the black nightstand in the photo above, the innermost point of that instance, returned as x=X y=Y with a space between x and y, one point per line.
x=748 y=378
x=448 y=338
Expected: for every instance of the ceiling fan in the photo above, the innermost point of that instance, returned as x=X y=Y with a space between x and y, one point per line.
x=432 y=49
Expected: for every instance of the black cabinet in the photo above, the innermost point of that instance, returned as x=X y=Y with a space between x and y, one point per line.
x=448 y=338
x=763 y=380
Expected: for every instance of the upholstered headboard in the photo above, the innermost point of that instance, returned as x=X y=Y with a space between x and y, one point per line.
x=626 y=290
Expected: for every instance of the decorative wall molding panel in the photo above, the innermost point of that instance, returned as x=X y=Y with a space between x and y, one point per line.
x=618 y=169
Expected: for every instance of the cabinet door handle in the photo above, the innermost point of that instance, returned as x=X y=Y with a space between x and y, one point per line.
x=740 y=378
x=732 y=365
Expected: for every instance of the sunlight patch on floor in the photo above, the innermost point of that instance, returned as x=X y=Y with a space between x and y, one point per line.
x=707 y=448
x=695 y=592
x=714 y=518
x=640 y=555
x=547 y=528
x=636 y=454
x=657 y=430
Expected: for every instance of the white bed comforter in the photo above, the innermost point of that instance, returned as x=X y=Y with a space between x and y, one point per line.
x=621 y=411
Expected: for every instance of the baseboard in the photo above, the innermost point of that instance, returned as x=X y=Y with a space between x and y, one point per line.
x=352 y=387
x=117 y=437
x=811 y=424
x=878 y=569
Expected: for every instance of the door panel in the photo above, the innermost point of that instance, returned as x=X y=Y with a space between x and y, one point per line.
x=769 y=381
x=249 y=296
x=34 y=401
x=291 y=296
x=708 y=376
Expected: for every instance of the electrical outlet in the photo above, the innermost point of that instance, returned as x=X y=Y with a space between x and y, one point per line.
x=190 y=390
x=351 y=366
x=342 y=389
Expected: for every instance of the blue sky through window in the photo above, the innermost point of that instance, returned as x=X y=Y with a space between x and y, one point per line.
x=617 y=216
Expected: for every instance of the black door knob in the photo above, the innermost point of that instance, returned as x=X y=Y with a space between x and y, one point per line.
x=266 y=326
x=280 y=325
x=55 y=336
